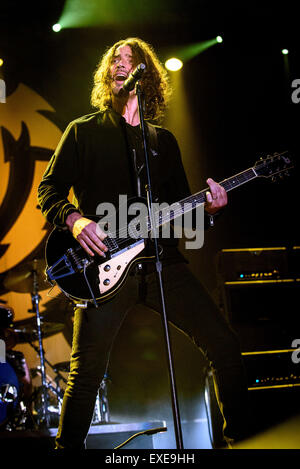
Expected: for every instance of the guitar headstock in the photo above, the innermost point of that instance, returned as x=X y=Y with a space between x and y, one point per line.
x=275 y=165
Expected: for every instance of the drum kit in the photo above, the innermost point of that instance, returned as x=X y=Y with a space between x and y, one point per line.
x=23 y=406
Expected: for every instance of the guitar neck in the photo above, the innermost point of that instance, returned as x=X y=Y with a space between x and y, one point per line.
x=228 y=184
x=178 y=209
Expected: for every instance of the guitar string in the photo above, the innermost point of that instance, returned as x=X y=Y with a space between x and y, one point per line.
x=199 y=197
x=192 y=201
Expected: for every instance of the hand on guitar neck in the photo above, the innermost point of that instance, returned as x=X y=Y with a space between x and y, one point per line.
x=216 y=198
x=88 y=233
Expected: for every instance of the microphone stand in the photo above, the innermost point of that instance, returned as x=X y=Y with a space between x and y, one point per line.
x=175 y=408
x=35 y=304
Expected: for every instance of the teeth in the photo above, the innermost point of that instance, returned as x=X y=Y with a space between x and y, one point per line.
x=121 y=77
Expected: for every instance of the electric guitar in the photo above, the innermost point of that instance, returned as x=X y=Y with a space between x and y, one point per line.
x=85 y=278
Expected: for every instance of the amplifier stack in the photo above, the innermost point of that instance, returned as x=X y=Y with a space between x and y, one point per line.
x=259 y=295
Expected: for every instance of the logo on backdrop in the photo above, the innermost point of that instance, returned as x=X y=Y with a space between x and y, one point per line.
x=27 y=140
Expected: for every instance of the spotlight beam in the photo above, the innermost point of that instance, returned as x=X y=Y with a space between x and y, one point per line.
x=190 y=51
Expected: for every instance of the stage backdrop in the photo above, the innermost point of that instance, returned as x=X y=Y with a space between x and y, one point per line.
x=27 y=140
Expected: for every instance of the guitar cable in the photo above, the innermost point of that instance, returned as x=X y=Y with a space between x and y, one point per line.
x=86 y=264
x=151 y=431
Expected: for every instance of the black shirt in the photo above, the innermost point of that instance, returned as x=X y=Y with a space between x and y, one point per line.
x=95 y=157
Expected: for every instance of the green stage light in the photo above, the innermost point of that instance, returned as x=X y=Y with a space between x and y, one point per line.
x=110 y=13
x=173 y=64
x=56 y=27
x=284 y=51
x=190 y=51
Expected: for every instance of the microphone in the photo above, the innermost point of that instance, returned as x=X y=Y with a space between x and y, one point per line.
x=135 y=76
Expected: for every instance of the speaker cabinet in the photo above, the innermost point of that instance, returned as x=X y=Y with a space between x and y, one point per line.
x=259 y=295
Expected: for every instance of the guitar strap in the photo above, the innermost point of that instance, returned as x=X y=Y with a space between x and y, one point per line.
x=152 y=133
x=153 y=149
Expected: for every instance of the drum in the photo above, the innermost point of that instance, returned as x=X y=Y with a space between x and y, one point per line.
x=6 y=316
x=9 y=393
x=53 y=407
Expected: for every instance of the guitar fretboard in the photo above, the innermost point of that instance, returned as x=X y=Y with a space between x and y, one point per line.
x=165 y=215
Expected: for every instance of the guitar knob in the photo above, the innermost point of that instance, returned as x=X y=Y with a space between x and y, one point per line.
x=107 y=267
x=106 y=282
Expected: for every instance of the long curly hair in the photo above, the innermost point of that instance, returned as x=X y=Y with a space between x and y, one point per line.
x=154 y=83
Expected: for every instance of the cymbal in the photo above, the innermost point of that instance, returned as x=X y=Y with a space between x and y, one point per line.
x=57 y=309
x=26 y=330
x=21 y=278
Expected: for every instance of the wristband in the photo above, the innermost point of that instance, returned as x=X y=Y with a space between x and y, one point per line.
x=79 y=225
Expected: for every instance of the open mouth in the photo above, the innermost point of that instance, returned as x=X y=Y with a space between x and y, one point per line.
x=120 y=77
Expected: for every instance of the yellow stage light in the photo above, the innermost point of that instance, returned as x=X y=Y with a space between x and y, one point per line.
x=173 y=64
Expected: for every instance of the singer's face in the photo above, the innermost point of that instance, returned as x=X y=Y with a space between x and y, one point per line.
x=122 y=65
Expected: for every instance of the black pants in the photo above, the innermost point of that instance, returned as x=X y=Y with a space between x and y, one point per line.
x=190 y=309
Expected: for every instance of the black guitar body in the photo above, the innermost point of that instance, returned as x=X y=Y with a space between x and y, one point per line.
x=91 y=278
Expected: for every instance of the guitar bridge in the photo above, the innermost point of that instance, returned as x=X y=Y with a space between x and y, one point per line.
x=68 y=264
